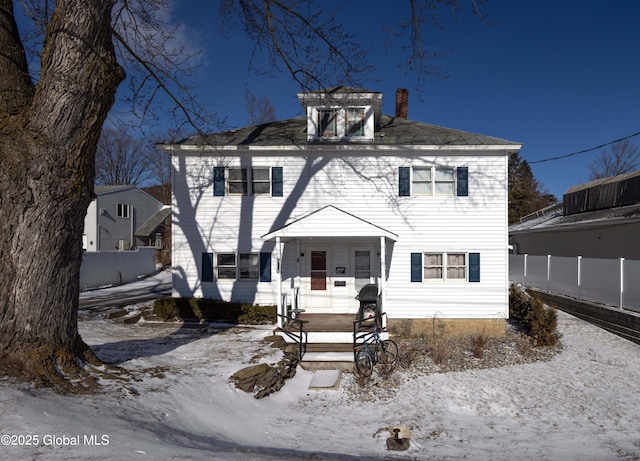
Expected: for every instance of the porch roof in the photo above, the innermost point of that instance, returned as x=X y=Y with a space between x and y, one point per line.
x=330 y=221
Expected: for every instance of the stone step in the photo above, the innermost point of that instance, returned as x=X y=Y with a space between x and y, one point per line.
x=342 y=361
x=326 y=380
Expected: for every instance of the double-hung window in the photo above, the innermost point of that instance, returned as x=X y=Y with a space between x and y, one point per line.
x=328 y=123
x=249 y=266
x=237 y=182
x=122 y=210
x=421 y=181
x=260 y=181
x=332 y=123
x=434 y=181
x=226 y=265
x=444 y=182
x=355 y=122
x=445 y=266
x=249 y=181
x=236 y=266
x=456 y=266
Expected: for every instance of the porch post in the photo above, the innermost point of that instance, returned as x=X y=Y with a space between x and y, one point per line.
x=279 y=307
x=383 y=277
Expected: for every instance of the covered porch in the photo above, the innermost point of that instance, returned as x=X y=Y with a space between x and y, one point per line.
x=323 y=260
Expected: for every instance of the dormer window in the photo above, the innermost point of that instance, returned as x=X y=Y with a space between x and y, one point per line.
x=355 y=122
x=340 y=123
x=328 y=123
x=341 y=114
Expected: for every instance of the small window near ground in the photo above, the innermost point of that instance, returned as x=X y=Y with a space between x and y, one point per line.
x=226 y=265
x=122 y=210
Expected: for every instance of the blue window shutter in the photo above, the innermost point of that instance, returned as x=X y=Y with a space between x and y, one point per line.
x=218 y=181
x=207 y=267
x=265 y=267
x=474 y=267
x=416 y=267
x=404 y=181
x=276 y=181
x=463 y=181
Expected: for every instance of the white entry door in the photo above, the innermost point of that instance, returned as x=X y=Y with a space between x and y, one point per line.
x=318 y=286
x=363 y=271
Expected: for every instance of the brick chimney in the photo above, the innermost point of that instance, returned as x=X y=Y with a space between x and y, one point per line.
x=402 y=103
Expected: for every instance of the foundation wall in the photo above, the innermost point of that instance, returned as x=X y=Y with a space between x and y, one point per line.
x=439 y=327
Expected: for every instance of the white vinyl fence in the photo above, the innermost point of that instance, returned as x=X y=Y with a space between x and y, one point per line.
x=102 y=268
x=615 y=282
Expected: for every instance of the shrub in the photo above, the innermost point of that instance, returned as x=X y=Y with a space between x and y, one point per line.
x=253 y=314
x=438 y=351
x=544 y=322
x=212 y=309
x=165 y=308
x=538 y=321
x=478 y=342
x=407 y=355
x=519 y=305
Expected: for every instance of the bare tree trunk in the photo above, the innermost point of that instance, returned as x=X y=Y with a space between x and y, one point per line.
x=48 y=137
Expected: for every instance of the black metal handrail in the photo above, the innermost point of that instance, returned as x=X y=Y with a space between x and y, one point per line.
x=297 y=333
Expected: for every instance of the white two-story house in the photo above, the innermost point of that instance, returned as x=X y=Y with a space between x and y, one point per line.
x=303 y=212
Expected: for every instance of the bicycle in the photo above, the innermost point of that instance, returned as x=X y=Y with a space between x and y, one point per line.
x=373 y=351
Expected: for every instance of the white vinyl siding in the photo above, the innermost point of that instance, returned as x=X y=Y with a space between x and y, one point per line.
x=366 y=186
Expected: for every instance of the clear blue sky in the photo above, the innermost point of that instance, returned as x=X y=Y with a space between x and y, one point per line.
x=558 y=76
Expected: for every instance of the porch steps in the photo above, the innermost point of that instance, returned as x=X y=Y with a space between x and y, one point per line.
x=327 y=356
x=330 y=337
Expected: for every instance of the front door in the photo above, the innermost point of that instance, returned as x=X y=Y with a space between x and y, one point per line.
x=363 y=271
x=318 y=292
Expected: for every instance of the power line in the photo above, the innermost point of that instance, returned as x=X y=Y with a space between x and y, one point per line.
x=585 y=150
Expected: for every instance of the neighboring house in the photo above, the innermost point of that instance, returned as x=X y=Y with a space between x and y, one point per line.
x=598 y=219
x=304 y=212
x=123 y=218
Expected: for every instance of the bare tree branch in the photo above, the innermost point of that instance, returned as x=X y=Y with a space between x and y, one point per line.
x=623 y=157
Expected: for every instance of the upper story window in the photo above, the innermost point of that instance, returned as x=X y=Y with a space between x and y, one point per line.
x=122 y=210
x=328 y=123
x=248 y=181
x=341 y=123
x=433 y=181
x=355 y=122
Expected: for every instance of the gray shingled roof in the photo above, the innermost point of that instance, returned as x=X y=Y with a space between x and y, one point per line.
x=608 y=217
x=392 y=130
x=151 y=224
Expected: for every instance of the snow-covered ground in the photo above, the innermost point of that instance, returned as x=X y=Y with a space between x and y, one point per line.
x=178 y=404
